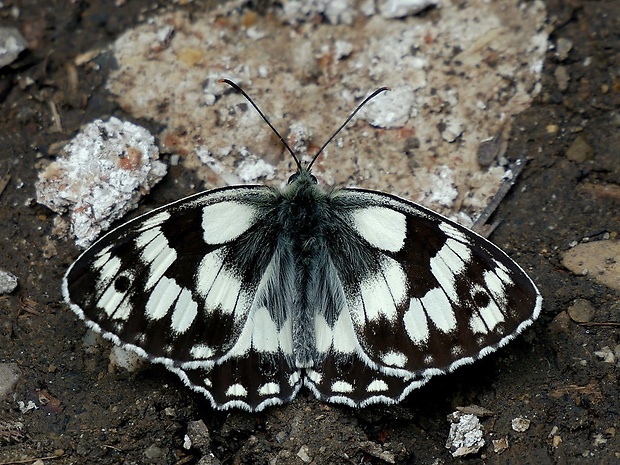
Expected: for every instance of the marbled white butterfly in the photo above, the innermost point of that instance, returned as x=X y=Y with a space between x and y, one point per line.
x=247 y=293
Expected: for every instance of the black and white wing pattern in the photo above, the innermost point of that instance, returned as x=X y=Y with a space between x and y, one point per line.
x=428 y=296
x=248 y=293
x=200 y=285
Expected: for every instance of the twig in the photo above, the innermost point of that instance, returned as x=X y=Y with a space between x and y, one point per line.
x=479 y=224
x=610 y=324
x=32 y=459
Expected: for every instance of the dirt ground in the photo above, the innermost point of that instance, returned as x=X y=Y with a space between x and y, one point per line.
x=550 y=375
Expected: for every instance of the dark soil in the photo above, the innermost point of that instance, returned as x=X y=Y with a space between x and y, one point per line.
x=550 y=375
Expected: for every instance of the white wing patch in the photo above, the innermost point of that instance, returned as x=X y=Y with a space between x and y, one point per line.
x=223 y=222
x=395 y=279
x=447 y=264
x=218 y=286
x=294 y=378
x=269 y=389
x=185 y=312
x=201 y=351
x=416 y=323
x=377 y=385
x=260 y=333
x=377 y=299
x=381 y=227
x=323 y=334
x=346 y=341
x=162 y=298
x=314 y=376
x=108 y=267
x=342 y=386
x=485 y=319
x=383 y=292
x=496 y=282
x=153 y=221
x=454 y=233
x=115 y=303
x=265 y=334
x=394 y=359
x=157 y=253
x=439 y=309
x=286 y=337
x=236 y=390
x=491 y=316
x=340 y=338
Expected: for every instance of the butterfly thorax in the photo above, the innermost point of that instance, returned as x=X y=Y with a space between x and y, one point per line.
x=302 y=212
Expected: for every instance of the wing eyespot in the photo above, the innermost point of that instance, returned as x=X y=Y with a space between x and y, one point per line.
x=121 y=284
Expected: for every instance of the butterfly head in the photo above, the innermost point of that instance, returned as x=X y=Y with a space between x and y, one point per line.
x=302 y=175
x=303 y=186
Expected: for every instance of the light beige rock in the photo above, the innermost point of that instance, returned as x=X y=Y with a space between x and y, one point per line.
x=596 y=260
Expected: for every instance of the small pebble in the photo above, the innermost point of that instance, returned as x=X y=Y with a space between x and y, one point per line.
x=581 y=311
x=580 y=150
x=466 y=436
x=391 y=9
x=125 y=359
x=9 y=375
x=8 y=282
x=562 y=48
x=12 y=43
x=153 y=452
x=303 y=454
x=520 y=424
x=561 y=78
x=597 y=260
x=198 y=436
x=500 y=445
x=606 y=354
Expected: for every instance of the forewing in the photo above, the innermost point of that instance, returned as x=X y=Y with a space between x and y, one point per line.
x=423 y=295
x=190 y=285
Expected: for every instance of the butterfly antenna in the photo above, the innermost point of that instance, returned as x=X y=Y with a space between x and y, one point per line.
x=242 y=92
x=359 y=107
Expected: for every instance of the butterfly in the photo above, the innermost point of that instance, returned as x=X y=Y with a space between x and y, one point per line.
x=248 y=293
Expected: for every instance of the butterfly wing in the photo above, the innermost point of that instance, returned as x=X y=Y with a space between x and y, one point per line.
x=424 y=297
x=191 y=286
x=209 y=286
